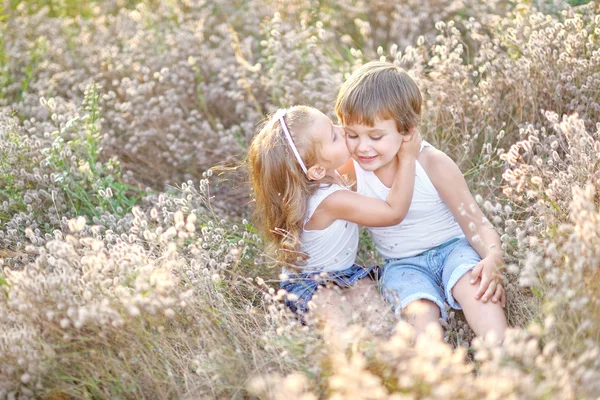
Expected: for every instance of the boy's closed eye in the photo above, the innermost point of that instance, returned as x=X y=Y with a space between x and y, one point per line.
x=354 y=136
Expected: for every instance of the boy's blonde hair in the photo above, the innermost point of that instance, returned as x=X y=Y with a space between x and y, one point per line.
x=379 y=90
x=281 y=188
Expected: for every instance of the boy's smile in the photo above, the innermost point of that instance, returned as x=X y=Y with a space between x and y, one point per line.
x=365 y=159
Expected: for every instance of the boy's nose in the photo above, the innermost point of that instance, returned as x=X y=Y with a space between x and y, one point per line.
x=363 y=146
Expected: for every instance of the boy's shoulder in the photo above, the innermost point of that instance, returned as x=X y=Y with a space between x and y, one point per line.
x=434 y=159
x=438 y=166
x=441 y=169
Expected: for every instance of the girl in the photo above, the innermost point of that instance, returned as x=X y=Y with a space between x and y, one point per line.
x=304 y=208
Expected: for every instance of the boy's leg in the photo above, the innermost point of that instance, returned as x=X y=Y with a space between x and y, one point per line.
x=483 y=318
x=421 y=314
x=410 y=287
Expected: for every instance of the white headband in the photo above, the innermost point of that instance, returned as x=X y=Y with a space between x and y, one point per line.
x=286 y=132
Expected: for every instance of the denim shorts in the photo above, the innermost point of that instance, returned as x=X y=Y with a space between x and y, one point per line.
x=303 y=285
x=430 y=275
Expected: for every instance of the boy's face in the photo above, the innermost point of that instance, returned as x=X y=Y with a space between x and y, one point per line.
x=374 y=146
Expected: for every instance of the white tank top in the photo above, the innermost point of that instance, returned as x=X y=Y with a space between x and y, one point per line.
x=427 y=224
x=333 y=248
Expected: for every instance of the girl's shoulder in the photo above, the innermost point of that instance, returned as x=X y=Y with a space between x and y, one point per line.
x=320 y=204
x=328 y=188
x=323 y=192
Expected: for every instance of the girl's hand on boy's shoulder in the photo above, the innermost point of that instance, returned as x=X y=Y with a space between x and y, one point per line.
x=488 y=273
x=411 y=145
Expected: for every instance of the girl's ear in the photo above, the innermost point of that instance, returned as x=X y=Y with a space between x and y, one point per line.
x=316 y=172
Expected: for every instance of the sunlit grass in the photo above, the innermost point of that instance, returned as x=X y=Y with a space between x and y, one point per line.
x=109 y=289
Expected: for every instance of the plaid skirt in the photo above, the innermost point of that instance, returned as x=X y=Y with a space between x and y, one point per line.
x=303 y=285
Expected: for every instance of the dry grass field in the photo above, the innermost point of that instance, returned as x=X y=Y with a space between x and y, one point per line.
x=129 y=267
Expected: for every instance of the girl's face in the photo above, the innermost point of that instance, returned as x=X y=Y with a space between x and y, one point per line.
x=374 y=147
x=332 y=152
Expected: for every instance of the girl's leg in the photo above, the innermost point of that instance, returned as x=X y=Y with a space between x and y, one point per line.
x=330 y=308
x=336 y=309
x=360 y=303
x=483 y=318
x=421 y=314
x=372 y=310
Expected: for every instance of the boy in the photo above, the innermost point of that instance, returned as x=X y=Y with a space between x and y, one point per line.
x=445 y=245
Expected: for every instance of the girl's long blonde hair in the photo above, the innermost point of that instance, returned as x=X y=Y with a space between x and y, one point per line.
x=281 y=189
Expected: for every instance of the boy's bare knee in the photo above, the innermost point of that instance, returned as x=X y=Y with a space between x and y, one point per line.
x=463 y=288
x=422 y=308
x=484 y=318
x=423 y=315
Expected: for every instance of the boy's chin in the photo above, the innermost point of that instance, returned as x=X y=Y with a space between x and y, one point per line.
x=368 y=166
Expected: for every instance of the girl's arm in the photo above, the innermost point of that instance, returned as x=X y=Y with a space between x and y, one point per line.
x=452 y=187
x=369 y=211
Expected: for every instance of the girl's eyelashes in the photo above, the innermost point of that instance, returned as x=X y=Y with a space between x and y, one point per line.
x=333 y=133
x=376 y=137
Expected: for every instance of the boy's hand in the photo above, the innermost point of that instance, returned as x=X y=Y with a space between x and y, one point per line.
x=490 y=286
x=411 y=146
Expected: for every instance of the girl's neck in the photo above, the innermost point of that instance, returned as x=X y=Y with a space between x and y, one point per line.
x=386 y=173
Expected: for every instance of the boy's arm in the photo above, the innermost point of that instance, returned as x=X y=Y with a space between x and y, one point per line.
x=452 y=187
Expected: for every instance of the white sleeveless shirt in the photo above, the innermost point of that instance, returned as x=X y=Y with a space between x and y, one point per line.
x=427 y=224
x=333 y=248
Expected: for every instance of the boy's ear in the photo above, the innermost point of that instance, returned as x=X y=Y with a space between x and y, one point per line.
x=411 y=131
x=316 y=172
